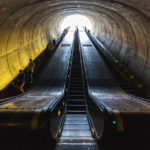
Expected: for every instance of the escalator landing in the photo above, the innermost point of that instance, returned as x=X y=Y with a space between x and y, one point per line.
x=76 y=128
x=76 y=146
x=76 y=134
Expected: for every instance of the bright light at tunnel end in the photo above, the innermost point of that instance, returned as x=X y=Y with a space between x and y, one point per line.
x=76 y=20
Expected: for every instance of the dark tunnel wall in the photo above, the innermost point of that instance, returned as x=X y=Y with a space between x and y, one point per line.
x=126 y=35
x=123 y=26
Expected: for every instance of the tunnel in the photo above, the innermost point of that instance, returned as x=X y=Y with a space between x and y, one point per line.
x=110 y=32
x=27 y=26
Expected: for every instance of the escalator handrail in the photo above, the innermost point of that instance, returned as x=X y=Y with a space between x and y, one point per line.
x=100 y=106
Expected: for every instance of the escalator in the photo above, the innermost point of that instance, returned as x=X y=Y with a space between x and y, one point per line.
x=76 y=133
x=126 y=80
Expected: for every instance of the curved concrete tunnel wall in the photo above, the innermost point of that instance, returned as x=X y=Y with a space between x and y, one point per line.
x=27 y=26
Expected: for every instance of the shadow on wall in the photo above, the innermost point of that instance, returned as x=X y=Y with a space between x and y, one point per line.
x=11 y=89
x=130 y=59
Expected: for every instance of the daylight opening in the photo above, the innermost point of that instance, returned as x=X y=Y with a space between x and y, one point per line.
x=76 y=20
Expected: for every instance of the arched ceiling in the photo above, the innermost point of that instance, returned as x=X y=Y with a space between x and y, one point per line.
x=26 y=26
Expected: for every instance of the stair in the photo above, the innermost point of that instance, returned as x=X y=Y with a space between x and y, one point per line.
x=76 y=127
x=76 y=93
x=76 y=130
x=76 y=124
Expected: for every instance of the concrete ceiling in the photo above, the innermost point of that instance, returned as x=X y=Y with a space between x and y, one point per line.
x=26 y=26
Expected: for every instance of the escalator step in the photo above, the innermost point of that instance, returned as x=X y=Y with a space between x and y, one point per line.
x=80 y=126
x=76 y=92
x=77 y=69
x=75 y=117
x=76 y=85
x=76 y=88
x=75 y=102
x=76 y=133
x=76 y=78
x=76 y=112
x=76 y=81
x=76 y=96
x=76 y=107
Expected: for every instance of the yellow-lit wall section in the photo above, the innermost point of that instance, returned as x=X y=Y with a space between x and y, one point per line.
x=23 y=35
